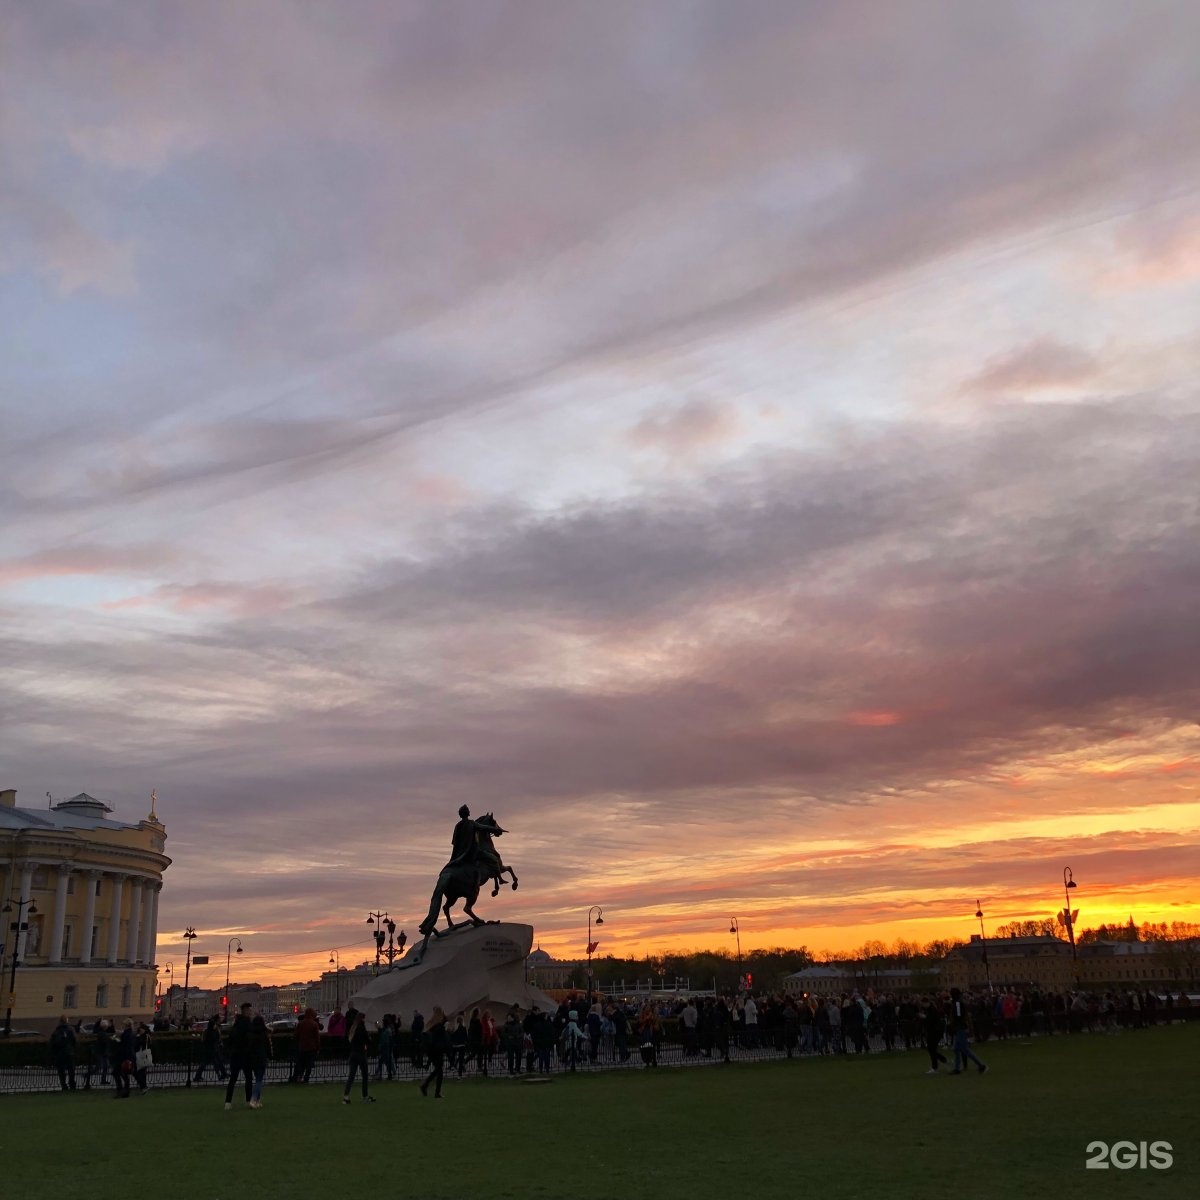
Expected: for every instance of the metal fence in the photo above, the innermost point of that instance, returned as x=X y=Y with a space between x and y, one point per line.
x=766 y=1046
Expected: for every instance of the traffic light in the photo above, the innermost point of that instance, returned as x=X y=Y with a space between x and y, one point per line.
x=749 y=980
x=295 y=1008
x=224 y=1001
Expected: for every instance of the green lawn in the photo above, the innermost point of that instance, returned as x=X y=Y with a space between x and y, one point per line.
x=819 y=1128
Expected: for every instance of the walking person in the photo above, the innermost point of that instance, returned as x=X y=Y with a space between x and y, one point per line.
x=387 y=1057
x=239 y=1055
x=417 y=1036
x=62 y=1053
x=512 y=1039
x=101 y=1053
x=358 y=1041
x=458 y=1045
x=123 y=1060
x=438 y=1043
x=261 y=1053
x=491 y=1038
x=308 y=1046
x=210 y=1050
x=935 y=1027
x=475 y=1042
x=958 y=1028
x=143 y=1058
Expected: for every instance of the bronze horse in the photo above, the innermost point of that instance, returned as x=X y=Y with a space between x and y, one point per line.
x=462 y=880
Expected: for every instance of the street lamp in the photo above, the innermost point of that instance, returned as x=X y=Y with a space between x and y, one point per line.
x=336 y=959
x=167 y=972
x=395 y=944
x=591 y=946
x=190 y=935
x=228 y=955
x=1069 y=919
x=736 y=930
x=986 y=967
x=20 y=932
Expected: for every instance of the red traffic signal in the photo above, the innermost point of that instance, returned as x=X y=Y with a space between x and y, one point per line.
x=224 y=1001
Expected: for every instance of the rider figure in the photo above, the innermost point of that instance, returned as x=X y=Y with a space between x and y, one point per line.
x=464 y=845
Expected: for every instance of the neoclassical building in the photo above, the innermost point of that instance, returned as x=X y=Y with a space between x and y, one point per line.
x=87 y=942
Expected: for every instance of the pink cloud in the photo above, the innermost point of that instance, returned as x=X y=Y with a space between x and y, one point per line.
x=241 y=601
x=84 y=560
x=692 y=427
x=1039 y=364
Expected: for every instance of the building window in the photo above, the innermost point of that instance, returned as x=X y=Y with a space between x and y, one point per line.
x=41 y=878
x=142 y=996
x=126 y=995
x=95 y=950
x=98 y=882
x=65 y=949
x=69 y=993
x=70 y=885
x=102 y=995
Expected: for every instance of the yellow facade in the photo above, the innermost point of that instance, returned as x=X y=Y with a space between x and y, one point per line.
x=82 y=892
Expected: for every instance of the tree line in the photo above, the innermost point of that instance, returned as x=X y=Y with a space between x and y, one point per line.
x=768 y=967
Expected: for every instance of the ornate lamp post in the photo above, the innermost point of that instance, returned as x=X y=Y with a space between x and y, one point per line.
x=986 y=967
x=336 y=960
x=736 y=930
x=228 y=955
x=20 y=931
x=591 y=946
x=168 y=971
x=1069 y=919
x=190 y=935
x=395 y=945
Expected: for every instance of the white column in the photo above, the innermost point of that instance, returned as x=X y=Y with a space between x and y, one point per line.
x=114 y=919
x=146 y=942
x=60 y=914
x=135 y=916
x=22 y=917
x=89 y=918
x=152 y=953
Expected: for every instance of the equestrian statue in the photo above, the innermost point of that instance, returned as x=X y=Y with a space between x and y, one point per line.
x=473 y=861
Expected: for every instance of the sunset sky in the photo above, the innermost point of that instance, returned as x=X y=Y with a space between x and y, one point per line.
x=752 y=448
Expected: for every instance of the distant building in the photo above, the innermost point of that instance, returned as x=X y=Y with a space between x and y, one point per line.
x=832 y=979
x=548 y=973
x=87 y=944
x=1041 y=961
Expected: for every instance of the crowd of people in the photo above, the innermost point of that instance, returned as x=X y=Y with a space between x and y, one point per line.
x=586 y=1032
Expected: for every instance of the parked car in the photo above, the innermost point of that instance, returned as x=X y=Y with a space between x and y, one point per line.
x=283 y=1023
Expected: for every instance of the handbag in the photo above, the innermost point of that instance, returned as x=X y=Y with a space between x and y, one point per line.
x=144 y=1059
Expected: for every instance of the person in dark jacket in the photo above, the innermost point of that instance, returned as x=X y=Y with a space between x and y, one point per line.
x=62 y=1053
x=418 y=1039
x=261 y=1053
x=101 y=1053
x=387 y=1043
x=935 y=1027
x=142 y=1046
x=358 y=1040
x=239 y=1055
x=458 y=1045
x=123 y=1061
x=438 y=1043
x=475 y=1042
x=308 y=1046
x=210 y=1050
